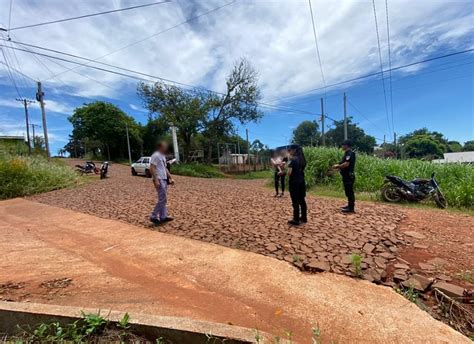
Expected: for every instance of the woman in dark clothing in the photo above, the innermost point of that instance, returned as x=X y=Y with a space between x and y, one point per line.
x=297 y=185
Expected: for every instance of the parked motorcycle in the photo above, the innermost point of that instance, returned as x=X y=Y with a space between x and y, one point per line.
x=87 y=168
x=396 y=189
x=104 y=169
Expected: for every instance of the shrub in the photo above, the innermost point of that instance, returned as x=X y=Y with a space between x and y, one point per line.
x=197 y=170
x=21 y=176
x=456 y=180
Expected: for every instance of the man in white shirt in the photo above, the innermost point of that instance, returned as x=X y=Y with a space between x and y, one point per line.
x=161 y=177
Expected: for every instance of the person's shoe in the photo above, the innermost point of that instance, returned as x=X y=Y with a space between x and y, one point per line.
x=155 y=221
x=167 y=219
x=293 y=223
x=346 y=207
x=276 y=195
x=282 y=194
x=303 y=220
x=348 y=211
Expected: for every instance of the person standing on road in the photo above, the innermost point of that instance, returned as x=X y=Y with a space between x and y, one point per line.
x=279 y=173
x=297 y=185
x=346 y=168
x=161 y=177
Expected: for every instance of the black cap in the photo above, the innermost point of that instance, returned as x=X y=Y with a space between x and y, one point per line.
x=347 y=143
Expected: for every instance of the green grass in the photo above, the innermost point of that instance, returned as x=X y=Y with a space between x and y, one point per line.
x=456 y=180
x=22 y=175
x=197 y=170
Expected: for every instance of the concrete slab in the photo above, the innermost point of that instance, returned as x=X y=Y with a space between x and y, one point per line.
x=118 y=266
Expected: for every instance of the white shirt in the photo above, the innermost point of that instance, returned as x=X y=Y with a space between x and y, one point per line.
x=159 y=161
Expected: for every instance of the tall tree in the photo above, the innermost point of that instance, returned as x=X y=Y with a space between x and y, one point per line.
x=238 y=103
x=360 y=140
x=184 y=109
x=306 y=134
x=105 y=124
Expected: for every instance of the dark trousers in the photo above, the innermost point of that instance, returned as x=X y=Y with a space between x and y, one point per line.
x=279 y=180
x=298 y=194
x=348 y=182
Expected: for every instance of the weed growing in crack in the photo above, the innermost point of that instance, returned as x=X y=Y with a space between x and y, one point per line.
x=356 y=261
x=409 y=293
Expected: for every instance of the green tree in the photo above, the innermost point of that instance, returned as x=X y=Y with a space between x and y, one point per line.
x=154 y=130
x=435 y=135
x=454 y=146
x=423 y=146
x=306 y=134
x=360 y=140
x=468 y=146
x=184 y=109
x=105 y=125
x=237 y=104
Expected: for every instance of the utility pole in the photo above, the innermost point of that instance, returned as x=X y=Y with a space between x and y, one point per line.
x=322 y=122
x=175 y=143
x=26 y=102
x=345 y=116
x=33 y=137
x=248 y=148
x=40 y=98
x=395 y=144
x=128 y=145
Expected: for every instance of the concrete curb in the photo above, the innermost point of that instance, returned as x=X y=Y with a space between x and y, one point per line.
x=178 y=330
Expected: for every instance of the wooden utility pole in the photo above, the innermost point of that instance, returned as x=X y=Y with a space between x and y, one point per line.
x=40 y=98
x=128 y=145
x=248 y=147
x=27 y=102
x=33 y=132
x=345 y=116
x=323 y=138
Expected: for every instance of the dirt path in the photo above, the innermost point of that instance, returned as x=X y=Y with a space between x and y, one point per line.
x=243 y=214
x=109 y=264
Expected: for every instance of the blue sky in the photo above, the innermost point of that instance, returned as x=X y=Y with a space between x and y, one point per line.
x=276 y=36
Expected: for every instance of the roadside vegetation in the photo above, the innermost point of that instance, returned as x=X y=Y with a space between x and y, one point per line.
x=456 y=180
x=23 y=175
x=197 y=170
x=91 y=328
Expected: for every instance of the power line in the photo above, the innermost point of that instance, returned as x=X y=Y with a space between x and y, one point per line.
x=10 y=73
x=376 y=73
x=87 y=15
x=389 y=64
x=362 y=114
x=381 y=64
x=159 y=32
x=274 y=107
x=317 y=45
x=17 y=71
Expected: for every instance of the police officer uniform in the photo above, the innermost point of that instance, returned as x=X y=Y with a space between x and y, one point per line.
x=348 y=177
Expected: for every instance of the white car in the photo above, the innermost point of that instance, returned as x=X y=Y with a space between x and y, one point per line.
x=141 y=166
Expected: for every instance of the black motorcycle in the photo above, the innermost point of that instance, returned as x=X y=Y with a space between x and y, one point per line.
x=88 y=167
x=396 y=189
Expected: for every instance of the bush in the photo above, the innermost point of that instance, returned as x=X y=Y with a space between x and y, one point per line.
x=22 y=176
x=197 y=170
x=456 y=180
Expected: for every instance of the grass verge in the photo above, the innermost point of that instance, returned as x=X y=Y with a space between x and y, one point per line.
x=22 y=176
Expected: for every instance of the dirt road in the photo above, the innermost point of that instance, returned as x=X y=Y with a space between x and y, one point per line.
x=59 y=256
x=243 y=214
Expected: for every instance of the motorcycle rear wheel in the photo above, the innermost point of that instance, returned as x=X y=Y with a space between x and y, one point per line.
x=440 y=200
x=390 y=194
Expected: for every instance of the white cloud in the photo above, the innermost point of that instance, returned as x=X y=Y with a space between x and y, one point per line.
x=275 y=36
x=137 y=108
x=50 y=106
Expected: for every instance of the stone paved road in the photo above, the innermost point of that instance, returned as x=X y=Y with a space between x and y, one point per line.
x=243 y=214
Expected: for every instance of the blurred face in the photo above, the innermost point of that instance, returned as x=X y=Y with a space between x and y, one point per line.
x=345 y=147
x=162 y=147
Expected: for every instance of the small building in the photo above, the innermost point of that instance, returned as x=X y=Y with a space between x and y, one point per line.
x=457 y=157
x=235 y=159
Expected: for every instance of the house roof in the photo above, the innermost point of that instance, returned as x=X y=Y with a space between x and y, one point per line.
x=6 y=137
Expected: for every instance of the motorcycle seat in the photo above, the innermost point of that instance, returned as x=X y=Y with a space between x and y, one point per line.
x=420 y=180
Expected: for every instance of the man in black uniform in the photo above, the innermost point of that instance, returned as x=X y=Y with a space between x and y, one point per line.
x=346 y=168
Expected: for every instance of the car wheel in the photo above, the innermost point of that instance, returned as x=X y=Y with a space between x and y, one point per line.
x=134 y=173
x=147 y=173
